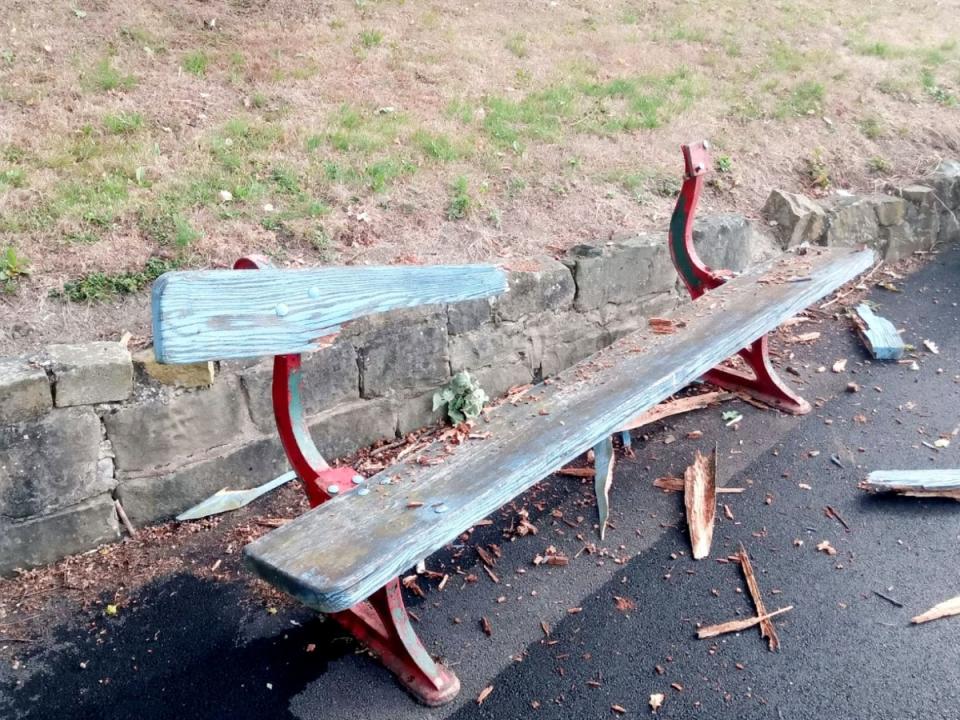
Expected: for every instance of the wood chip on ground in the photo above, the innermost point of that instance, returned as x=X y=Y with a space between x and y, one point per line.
x=710 y=631
x=767 y=629
x=700 y=499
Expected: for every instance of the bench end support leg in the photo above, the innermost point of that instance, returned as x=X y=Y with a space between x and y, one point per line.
x=766 y=385
x=382 y=624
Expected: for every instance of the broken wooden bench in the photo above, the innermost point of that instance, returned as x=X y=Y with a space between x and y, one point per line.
x=344 y=556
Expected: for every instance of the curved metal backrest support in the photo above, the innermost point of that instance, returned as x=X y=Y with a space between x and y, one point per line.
x=287 y=392
x=696 y=275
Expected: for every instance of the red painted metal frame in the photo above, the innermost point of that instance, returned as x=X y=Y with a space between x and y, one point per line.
x=381 y=621
x=765 y=384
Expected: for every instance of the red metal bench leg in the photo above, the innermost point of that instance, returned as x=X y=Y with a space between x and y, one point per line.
x=382 y=624
x=765 y=385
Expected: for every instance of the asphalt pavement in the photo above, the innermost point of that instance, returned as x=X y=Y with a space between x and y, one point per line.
x=618 y=623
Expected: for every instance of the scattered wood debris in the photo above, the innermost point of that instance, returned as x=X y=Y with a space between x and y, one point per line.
x=604 y=462
x=624 y=604
x=618 y=709
x=824 y=546
x=700 y=499
x=831 y=512
x=486 y=626
x=664 y=326
x=767 y=629
x=580 y=472
x=878 y=334
x=945 y=609
x=484 y=694
x=931 y=346
x=710 y=631
x=674 y=484
x=839 y=366
x=915 y=483
x=656 y=701
x=807 y=337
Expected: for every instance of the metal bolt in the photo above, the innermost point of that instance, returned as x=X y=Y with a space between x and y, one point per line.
x=282 y=310
x=314 y=292
x=698 y=167
x=333 y=489
x=363 y=491
x=440 y=508
x=357 y=479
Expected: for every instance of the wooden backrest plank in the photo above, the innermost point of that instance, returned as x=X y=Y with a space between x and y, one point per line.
x=342 y=551
x=223 y=314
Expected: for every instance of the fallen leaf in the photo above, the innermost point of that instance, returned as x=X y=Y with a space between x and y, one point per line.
x=111 y=610
x=484 y=694
x=624 y=604
x=656 y=701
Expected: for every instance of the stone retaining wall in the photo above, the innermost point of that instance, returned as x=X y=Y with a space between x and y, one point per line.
x=84 y=425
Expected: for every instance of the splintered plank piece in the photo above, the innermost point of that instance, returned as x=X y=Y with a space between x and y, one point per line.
x=700 y=499
x=878 y=334
x=676 y=407
x=737 y=625
x=915 y=483
x=767 y=628
x=603 y=463
x=941 y=610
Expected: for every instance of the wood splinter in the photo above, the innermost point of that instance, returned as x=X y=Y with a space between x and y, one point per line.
x=767 y=628
x=700 y=499
x=737 y=625
x=945 y=609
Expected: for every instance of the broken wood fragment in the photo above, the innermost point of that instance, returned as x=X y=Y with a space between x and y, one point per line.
x=915 y=483
x=878 y=334
x=767 y=629
x=577 y=472
x=604 y=459
x=941 y=610
x=676 y=407
x=700 y=499
x=737 y=625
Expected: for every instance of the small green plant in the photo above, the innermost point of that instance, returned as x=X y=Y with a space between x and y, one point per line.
x=106 y=77
x=517 y=44
x=13 y=268
x=196 y=62
x=935 y=90
x=462 y=396
x=370 y=38
x=461 y=202
x=123 y=123
x=805 y=99
x=817 y=170
x=102 y=286
x=879 y=164
x=724 y=164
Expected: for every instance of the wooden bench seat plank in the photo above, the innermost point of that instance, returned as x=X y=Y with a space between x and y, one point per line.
x=227 y=314
x=339 y=553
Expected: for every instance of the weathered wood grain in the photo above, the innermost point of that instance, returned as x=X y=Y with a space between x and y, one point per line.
x=915 y=483
x=339 y=553
x=700 y=501
x=222 y=314
x=878 y=334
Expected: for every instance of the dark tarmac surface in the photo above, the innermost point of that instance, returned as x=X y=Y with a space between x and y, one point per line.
x=192 y=648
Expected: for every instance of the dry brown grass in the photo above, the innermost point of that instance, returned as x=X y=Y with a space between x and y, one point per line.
x=871 y=88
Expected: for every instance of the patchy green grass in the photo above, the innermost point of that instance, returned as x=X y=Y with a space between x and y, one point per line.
x=879 y=165
x=872 y=127
x=517 y=45
x=817 y=170
x=104 y=286
x=724 y=164
x=460 y=203
x=806 y=98
x=195 y=62
x=934 y=90
x=105 y=77
x=123 y=123
x=435 y=146
x=13 y=177
x=370 y=38
x=363 y=131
